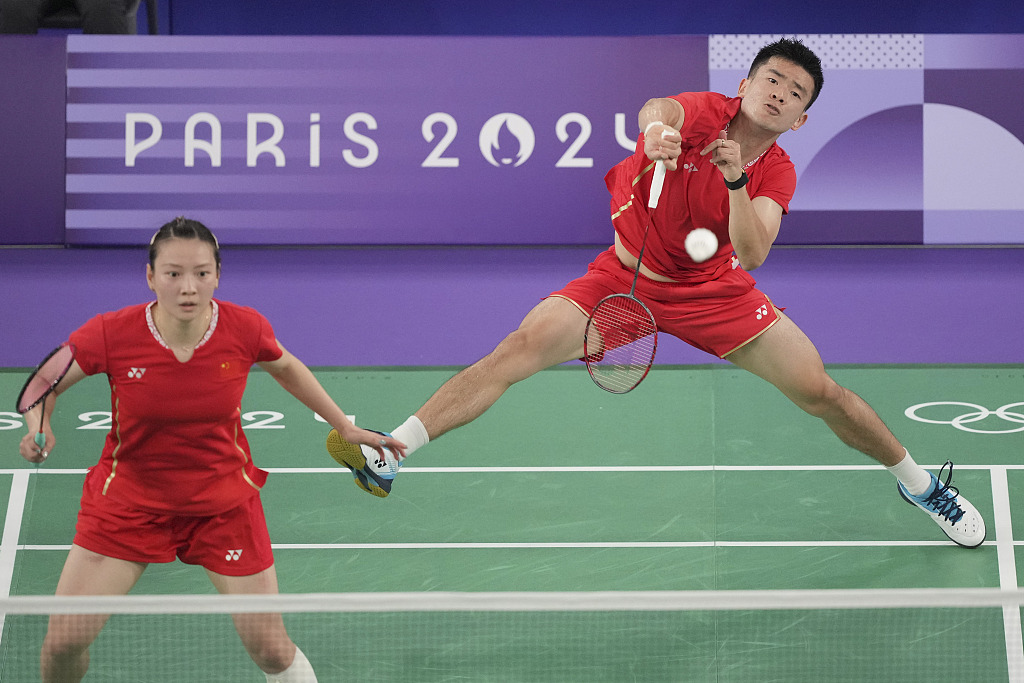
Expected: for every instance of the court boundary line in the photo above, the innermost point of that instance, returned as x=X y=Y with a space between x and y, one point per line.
x=1007 y=563
x=581 y=545
x=9 y=542
x=576 y=468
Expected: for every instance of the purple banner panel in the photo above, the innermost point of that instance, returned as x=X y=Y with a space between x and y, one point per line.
x=974 y=140
x=354 y=140
x=31 y=140
x=894 y=145
x=974 y=51
x=858 y=158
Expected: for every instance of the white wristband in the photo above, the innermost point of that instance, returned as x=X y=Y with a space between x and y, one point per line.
x=652 y=123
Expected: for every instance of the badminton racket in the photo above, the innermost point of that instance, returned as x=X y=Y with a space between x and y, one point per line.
x=41 y=383
x=621 y=336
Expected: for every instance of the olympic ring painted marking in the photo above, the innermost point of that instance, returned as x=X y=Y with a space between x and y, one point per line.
x=979 y=413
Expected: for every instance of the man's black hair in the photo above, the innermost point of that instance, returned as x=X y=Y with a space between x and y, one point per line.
x=794 y=51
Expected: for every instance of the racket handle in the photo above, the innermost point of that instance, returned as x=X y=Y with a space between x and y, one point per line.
x=657 y=182
x=40 y=439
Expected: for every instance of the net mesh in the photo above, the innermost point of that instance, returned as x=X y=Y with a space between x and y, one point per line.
x=620 y=343
x=736 y=636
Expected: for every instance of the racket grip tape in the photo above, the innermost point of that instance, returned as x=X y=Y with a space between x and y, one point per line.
x=40 y=439
x=657 y=183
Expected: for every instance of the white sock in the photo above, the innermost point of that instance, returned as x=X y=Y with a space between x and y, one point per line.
x=300 y=671
x=412 y=433
x=915 y=479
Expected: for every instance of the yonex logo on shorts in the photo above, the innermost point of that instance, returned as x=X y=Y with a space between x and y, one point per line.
x=136 y=373
x=233 y=555
x=762 y=312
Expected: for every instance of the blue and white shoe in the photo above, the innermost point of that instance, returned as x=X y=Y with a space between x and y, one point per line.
x=957 y=518
x=372 y=473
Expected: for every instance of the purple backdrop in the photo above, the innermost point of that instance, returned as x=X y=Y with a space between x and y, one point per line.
x=31 y=140
x=451 y=305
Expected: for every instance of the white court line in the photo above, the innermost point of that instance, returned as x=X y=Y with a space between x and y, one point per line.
x=1007 y=572
x=586 y=468
x=629 y=545
x=44 y=471
x=12 y=529
x=620 y=544
x=12 y=532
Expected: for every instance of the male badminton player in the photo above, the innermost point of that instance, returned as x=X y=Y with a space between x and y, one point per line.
x=176 y=477
x=727 y=175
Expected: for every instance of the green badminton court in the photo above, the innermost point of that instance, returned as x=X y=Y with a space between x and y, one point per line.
x=704 y=478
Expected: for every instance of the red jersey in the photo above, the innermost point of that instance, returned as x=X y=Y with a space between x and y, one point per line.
x=176 y=443
x=694 y=195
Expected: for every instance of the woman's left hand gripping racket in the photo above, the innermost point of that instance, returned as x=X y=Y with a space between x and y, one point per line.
x=621 y=336
x=41 y=383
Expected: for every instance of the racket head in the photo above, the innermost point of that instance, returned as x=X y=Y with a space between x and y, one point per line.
x=46 y=377
x=619 y=343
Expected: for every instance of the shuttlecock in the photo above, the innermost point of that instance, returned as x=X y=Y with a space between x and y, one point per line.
x=701 y=244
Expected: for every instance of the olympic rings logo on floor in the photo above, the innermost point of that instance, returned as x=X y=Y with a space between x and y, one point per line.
x=977 y=413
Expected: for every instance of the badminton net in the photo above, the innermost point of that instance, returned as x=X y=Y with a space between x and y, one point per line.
x=649 y=636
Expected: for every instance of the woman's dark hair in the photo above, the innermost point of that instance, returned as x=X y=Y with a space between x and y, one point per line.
x=186 y=229
x=794 y=51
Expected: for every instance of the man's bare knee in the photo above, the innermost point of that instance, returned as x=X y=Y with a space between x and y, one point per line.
x=525 y=352
x=823 y=399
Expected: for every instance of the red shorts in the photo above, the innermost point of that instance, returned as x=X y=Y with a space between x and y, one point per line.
x=717 y=316
x=233 y=543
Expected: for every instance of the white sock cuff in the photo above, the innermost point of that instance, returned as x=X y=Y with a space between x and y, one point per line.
x=412 y=433
x=300 y=671
x=914 y=478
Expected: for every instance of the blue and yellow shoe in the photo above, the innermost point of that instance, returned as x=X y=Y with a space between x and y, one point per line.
x=957 y=518
x=372 y=473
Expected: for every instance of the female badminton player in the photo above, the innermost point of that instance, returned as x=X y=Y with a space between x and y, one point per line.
x=176 y=478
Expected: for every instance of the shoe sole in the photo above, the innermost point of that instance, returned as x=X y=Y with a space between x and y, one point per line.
x=351 y=456
x=962 y=545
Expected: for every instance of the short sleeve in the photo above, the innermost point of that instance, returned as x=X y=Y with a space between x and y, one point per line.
x=704 y=115
x=90 y=341
x=777 y=182
x=267 y=347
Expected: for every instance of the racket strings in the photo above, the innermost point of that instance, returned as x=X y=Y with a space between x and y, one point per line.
x=49 y=373
x=620 y=344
